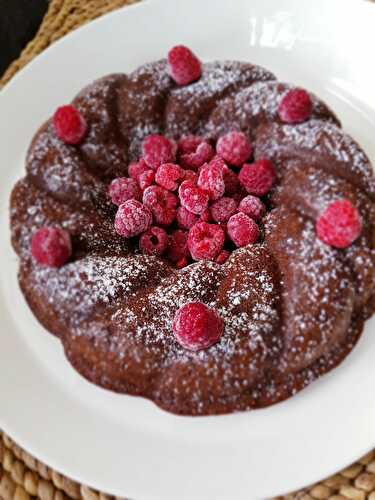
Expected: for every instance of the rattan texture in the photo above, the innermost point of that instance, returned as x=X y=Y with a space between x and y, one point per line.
x=22 y=477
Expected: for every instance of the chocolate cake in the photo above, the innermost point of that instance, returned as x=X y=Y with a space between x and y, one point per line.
x=283 y=309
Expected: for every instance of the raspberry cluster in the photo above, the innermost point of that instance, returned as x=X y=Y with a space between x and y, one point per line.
x=192 y=200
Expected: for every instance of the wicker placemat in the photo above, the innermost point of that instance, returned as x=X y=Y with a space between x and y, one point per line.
x=21 y=476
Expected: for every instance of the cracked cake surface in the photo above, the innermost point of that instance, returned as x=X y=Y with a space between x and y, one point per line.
x=292 y=306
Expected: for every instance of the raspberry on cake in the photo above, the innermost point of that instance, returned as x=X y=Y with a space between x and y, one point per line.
x=193 y=198
x=70 y=126
x=223 y=209
x=235 y=148
x=178 y=247
x=252 y=206
x=157 y=149
x=211 y=179
x=295 y=107
x=195 y=152
x=197 y=327
x=123 y=189
x=258 y=177
x=132 y=219
x=51 y=246
x=162 y=204
x=169 y=175
x=242 y=230
x=146 y=179
x=205 y=241
x=339 y=225
x=184 y=66
x=154 y=241
x=199 y=234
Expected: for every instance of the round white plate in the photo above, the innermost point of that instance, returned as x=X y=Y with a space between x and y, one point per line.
x=127 y=446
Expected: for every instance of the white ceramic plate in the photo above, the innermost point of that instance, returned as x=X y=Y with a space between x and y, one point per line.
x=127 y=446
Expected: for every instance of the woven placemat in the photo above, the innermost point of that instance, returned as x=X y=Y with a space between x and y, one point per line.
x=21 y=476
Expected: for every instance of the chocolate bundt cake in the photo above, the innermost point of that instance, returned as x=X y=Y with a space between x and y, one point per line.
x=201 y=235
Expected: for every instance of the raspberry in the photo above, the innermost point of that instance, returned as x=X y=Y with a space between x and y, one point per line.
x=51 y=246
x=154 y=241
x=132 y=218
x=206 y=216
x=211 y=180
x=339 y=225
x=223 y=209
x=182 y=263
x=231 y=182
x=184 y=66
x=196 y=326
x=191 y=176
x=69 y=124
x=136 y=169
x=146 y=179
x=193 y=198
x=168 y=175
x=123 y=189
x=242 y=230
x=202 y=154
x=252 y=206
x=205 y=241
x=157 y=150
x=178 y=248
x=234 y=147
x=162 y=204
x=257 y=178
x=186 y=219
x=222 y=257
x=295 y=107
x=189 y=144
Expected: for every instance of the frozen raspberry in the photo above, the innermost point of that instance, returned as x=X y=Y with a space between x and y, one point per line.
x=206 y=216
x=178 y=248
x=146 y=179
x=132 y=218
x=222 y=257
x=252 y=206
x=193 y=198
x=223 y=209
x=182 y=263
x=231 y=181
x=197 y=327
x=189 y=144
x=339 y=225
x=69 y=124
x=169 y=176
x=211 y=179
x=51 y=246
x=295 y=107
x=123 y=189
x=184 y=66
x=154 y=241
x=257 y=178
x=136 y=169
x=162 y=204
x=205 y=241
x=203 y=153
x=186 y=219
x=234 y=147
x=242 y=230
x=191 y=176
x=157 y=150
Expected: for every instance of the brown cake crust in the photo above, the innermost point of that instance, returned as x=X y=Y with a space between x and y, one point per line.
x=293 y=307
